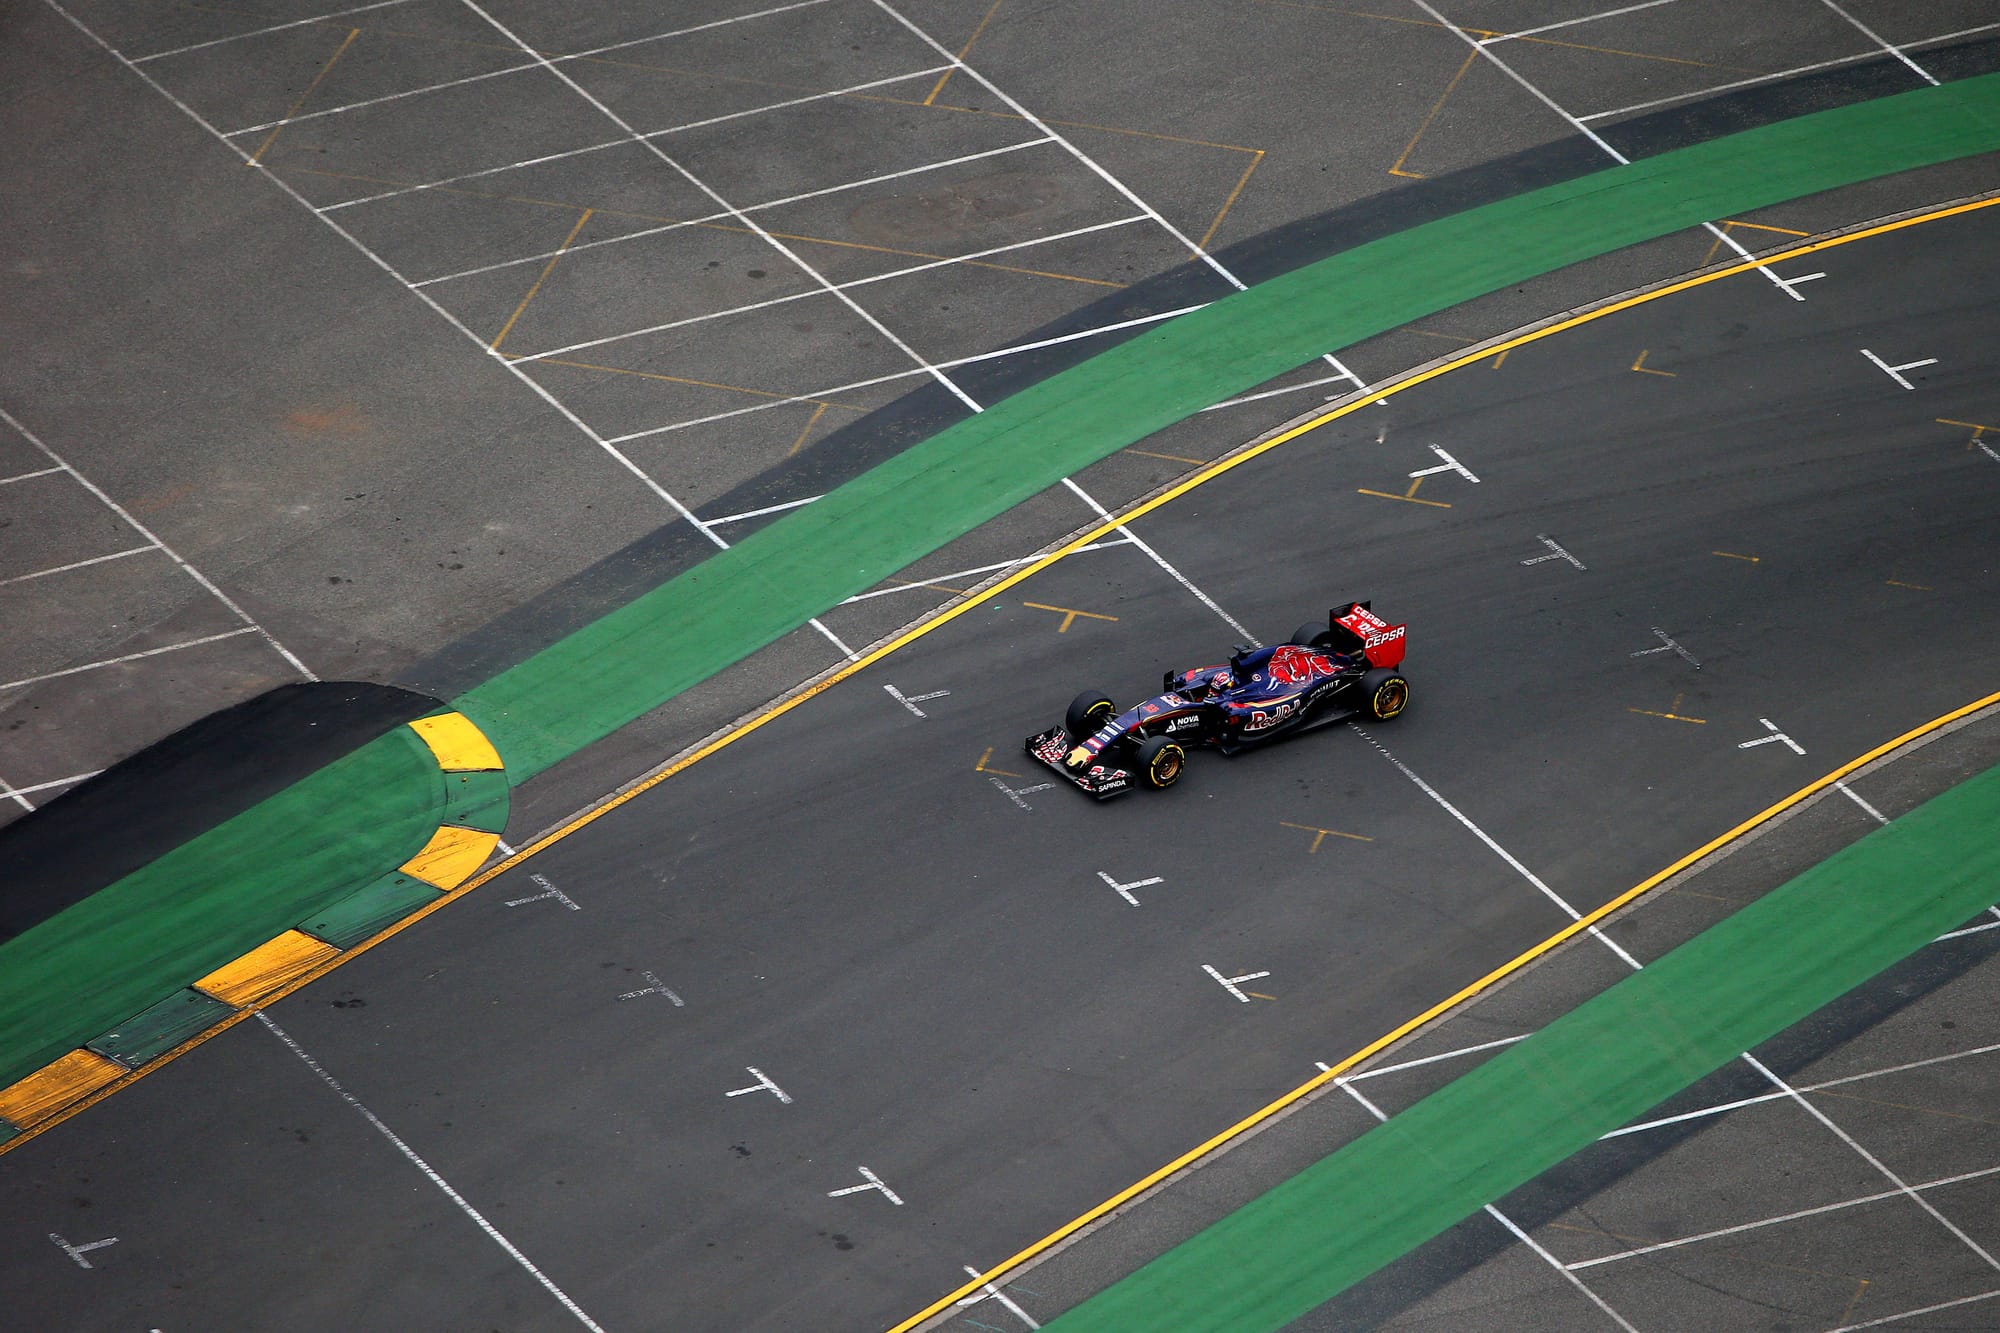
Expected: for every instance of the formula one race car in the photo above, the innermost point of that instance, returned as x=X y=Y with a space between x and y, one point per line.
x=1348 y=668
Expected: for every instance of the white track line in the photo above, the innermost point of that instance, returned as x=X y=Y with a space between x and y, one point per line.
x=1507 y=1222
x=834 y=288
x=1782 y=74
x=1882 y=42
x=538 y=62
x=1092 y=165
x=71 y=780
x=1912 y=1314
x=1781 y=1219
x=77 y=564
x=1718 y=232
x=717 y=217
x=1004 y=352
x=430 y=1174
x=261 y=32
x=1571 y=23
x=1161 y=561
x=10 y=794
x=959 y=576
x=1851 y=795
x=618 y=143
x=29 y=476
x=582 y=427
x=125 y=514
x=1433 y=1059
x=128 y=657
x=742 y=219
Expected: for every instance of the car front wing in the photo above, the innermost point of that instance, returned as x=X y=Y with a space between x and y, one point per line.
x=1103 y=779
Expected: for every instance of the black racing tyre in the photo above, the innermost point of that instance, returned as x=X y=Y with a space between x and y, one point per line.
x=1314 y=636
x=1384 y=693
x=1161 y=762
x=1087 y=712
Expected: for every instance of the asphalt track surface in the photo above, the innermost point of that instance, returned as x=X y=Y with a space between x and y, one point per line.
x=921 y=954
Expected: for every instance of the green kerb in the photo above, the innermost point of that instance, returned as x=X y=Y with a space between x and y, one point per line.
x=1601 y=1066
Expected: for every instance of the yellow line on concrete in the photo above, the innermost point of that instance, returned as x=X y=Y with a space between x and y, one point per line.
x=964 y=51
x=1411 y=146
x=547 y=269
x=324 y=70
x=1230 y=202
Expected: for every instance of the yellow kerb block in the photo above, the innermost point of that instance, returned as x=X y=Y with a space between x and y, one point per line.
x=52 y=1087
x=266 y=969
x=459 y=746
x=451 y=856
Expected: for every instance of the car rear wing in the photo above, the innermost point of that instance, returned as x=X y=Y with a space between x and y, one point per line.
x=1356 y=629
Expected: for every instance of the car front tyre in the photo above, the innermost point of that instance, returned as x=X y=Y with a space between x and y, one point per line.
x=1160 y=762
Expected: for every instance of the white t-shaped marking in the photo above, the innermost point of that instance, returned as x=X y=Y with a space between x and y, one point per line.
x=1229 y=983
x=763 y=1084
x=1556 y=552
x=1450 y=464
x=1895 y=372
x=1125 y=890
x=1775 y=735
x=549 y=891
x=77 y=1252
x=874 y=1183
x=654 y=986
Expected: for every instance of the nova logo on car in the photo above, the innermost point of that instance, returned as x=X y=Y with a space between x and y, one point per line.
x=1183 y=724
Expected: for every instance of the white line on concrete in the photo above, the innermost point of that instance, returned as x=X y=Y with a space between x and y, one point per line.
x=1872 y=1160
x=1229 y=983
x=1015 y=350
x=1161 y=561
x=1578 y=123
x=1092 y=165
x=1912 y=1314
x=874 y=1183
x=623 y=237
x=128 y=657
x=1125 y=890
x=538 y=62
x=1896 y=372
x=119 y=509
x=763 y=1084
x=1882 y=42
x=52 y=784
x=742 y=219
x=261 y=32
x=1781 y=74
x=838 y=289
x=989 y=1291
x=1516 y=1232
x=444 y=1186
x=759 y=513
x=1561 y=903
x=960 y=575
x=26 y=476
x=1855 y=797
x=77 y=1252
x=504 y=167
x=8 y=793
x=1571 y=23
x=1278 y=393
x=1433 y=1059
x=77 y=564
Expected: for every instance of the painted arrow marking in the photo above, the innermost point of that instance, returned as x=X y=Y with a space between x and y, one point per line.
x=1775 y=735
x=874 y=1182
x=77 y=1252
x=1556 y=552
x=654 y=986
x=1896 y=372
x=1229 y=983
x=910 y=701
x=763 y=1084
x=1125 y=890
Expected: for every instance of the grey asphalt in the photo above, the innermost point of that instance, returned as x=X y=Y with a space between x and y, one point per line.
x=379 y=498
x=929 y=966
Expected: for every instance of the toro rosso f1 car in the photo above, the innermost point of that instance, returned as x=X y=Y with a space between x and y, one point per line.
x=1345 y=668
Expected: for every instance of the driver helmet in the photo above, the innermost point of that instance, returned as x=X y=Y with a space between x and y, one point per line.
x=1220 y=681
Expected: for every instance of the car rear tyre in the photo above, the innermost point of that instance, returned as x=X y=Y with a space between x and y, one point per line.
x=1161 y=762
x=1384 y=694
x=1087 y=712
x=1314 y=636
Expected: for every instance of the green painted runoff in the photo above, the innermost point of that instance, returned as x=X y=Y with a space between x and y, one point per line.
x=1601 y=1066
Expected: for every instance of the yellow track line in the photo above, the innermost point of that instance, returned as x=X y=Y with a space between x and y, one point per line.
x=952 y=613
